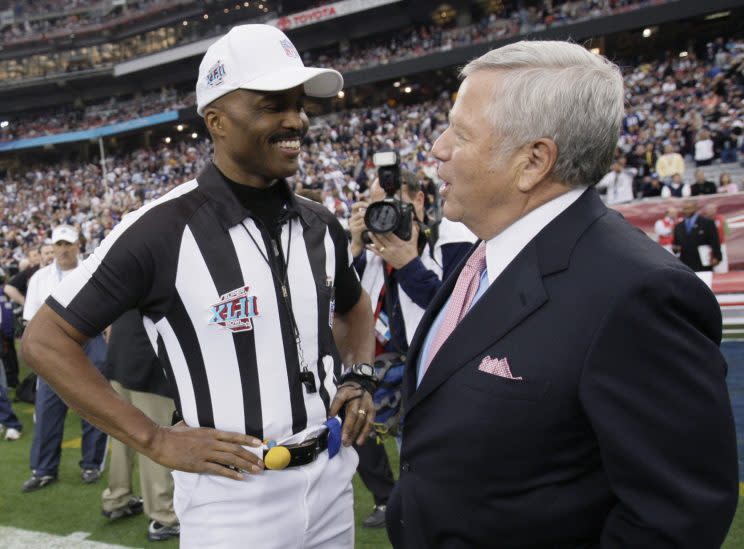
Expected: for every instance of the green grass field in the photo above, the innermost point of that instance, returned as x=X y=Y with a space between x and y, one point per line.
x=70 y=506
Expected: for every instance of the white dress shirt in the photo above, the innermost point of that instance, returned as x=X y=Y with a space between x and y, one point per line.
x=501 y=250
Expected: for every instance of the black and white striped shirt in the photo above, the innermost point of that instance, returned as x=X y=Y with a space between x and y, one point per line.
x=212 y=308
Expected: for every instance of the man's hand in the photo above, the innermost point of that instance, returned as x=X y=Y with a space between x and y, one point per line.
x=359 y=412
x=393 y=250
x=357 y=227
x=204 y=450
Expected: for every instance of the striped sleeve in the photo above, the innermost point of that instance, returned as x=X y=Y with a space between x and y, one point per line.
x=129 y=270
x=347 y=285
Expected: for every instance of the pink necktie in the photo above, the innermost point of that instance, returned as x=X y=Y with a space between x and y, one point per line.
x=462 y=296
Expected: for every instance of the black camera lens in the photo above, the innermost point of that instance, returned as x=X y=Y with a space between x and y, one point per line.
x=381 y=217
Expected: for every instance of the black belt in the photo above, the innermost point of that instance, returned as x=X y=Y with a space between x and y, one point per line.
x=307 y=451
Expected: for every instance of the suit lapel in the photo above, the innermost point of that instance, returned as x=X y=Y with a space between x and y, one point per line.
x=511 y=298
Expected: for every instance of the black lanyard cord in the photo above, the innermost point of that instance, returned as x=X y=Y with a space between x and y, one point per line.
x=306 y=376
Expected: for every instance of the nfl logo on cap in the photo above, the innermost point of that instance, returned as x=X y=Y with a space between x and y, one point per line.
x=289 y=48
x=216 y=74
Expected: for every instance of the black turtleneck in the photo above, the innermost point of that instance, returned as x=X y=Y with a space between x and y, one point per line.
x=266 y=204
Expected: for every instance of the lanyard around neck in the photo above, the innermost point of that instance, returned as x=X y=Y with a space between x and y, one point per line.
x=306 y=376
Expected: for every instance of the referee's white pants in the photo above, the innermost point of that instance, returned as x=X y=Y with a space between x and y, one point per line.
x=307 y=507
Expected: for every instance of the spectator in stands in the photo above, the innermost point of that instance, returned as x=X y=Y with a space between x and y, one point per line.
x=670 y=163
x=702 y=185
x=676 y=188
x=650 y=157
x=51 y=410
x=636 y=163
x=710 y=210
x=696 y=240
x=651 y=186
x=618 y=184
x=726 y=184
x=704 y=152
x=664 y=228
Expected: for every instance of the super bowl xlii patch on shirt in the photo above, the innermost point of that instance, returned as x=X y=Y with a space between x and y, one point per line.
x=235 y=310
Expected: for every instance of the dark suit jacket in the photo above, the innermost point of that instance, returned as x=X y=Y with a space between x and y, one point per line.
x=620 y=434
x=703 y=232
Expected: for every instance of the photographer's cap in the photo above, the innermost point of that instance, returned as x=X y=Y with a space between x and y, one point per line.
x=259 y=58
x=66 y=233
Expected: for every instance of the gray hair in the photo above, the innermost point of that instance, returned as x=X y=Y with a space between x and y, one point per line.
x=561 y=91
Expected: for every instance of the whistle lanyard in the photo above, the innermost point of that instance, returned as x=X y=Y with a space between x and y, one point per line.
x=306 y=376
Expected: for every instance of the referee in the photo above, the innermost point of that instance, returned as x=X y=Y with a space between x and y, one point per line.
x=251 y=303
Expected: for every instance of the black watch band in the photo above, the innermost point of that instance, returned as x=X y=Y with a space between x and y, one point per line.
x=367 y=382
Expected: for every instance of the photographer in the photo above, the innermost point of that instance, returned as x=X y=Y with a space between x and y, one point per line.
x=401 y=277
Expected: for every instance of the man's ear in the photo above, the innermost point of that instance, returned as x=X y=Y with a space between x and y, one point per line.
x=538 y=160
x=214 y=119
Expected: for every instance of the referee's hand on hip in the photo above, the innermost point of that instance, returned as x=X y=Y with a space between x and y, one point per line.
x=359 y=413
x=205 y=450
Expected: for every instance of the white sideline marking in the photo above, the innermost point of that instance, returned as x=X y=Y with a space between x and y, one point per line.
x=15 y=538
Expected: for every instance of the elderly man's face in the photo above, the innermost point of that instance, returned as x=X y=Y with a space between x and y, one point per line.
x=477 y=179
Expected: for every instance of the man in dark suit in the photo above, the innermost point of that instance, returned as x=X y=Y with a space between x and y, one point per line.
x=564 y=388
x=702 y=185
x=693 y=232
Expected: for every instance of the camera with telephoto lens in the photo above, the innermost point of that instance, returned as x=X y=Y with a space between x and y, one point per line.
x=391 y=214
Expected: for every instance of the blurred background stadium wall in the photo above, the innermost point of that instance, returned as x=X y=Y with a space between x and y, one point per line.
x=97 y=113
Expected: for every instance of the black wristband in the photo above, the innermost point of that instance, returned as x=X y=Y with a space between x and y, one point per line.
x=366 y=383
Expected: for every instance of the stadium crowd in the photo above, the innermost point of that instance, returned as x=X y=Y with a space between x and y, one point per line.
x=683 y=91
x=691 y=105
x=46 y=196
x=110 y=111
x=24 y=10
x=673 y=107
x=431 y=39
x=679 y=108
x=414 y=42
x=35 y=21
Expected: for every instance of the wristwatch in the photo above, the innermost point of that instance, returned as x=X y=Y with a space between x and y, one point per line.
x=363 y=369
x=363 y=374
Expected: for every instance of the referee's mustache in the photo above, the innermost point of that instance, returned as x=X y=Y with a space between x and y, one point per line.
x=285 y=136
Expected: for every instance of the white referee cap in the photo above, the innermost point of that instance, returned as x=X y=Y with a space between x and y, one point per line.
x=260 y=58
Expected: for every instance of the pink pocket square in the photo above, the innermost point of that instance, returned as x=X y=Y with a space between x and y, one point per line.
x=497 y=367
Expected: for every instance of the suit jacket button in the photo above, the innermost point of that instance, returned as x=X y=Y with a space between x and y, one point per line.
x=405 y=467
